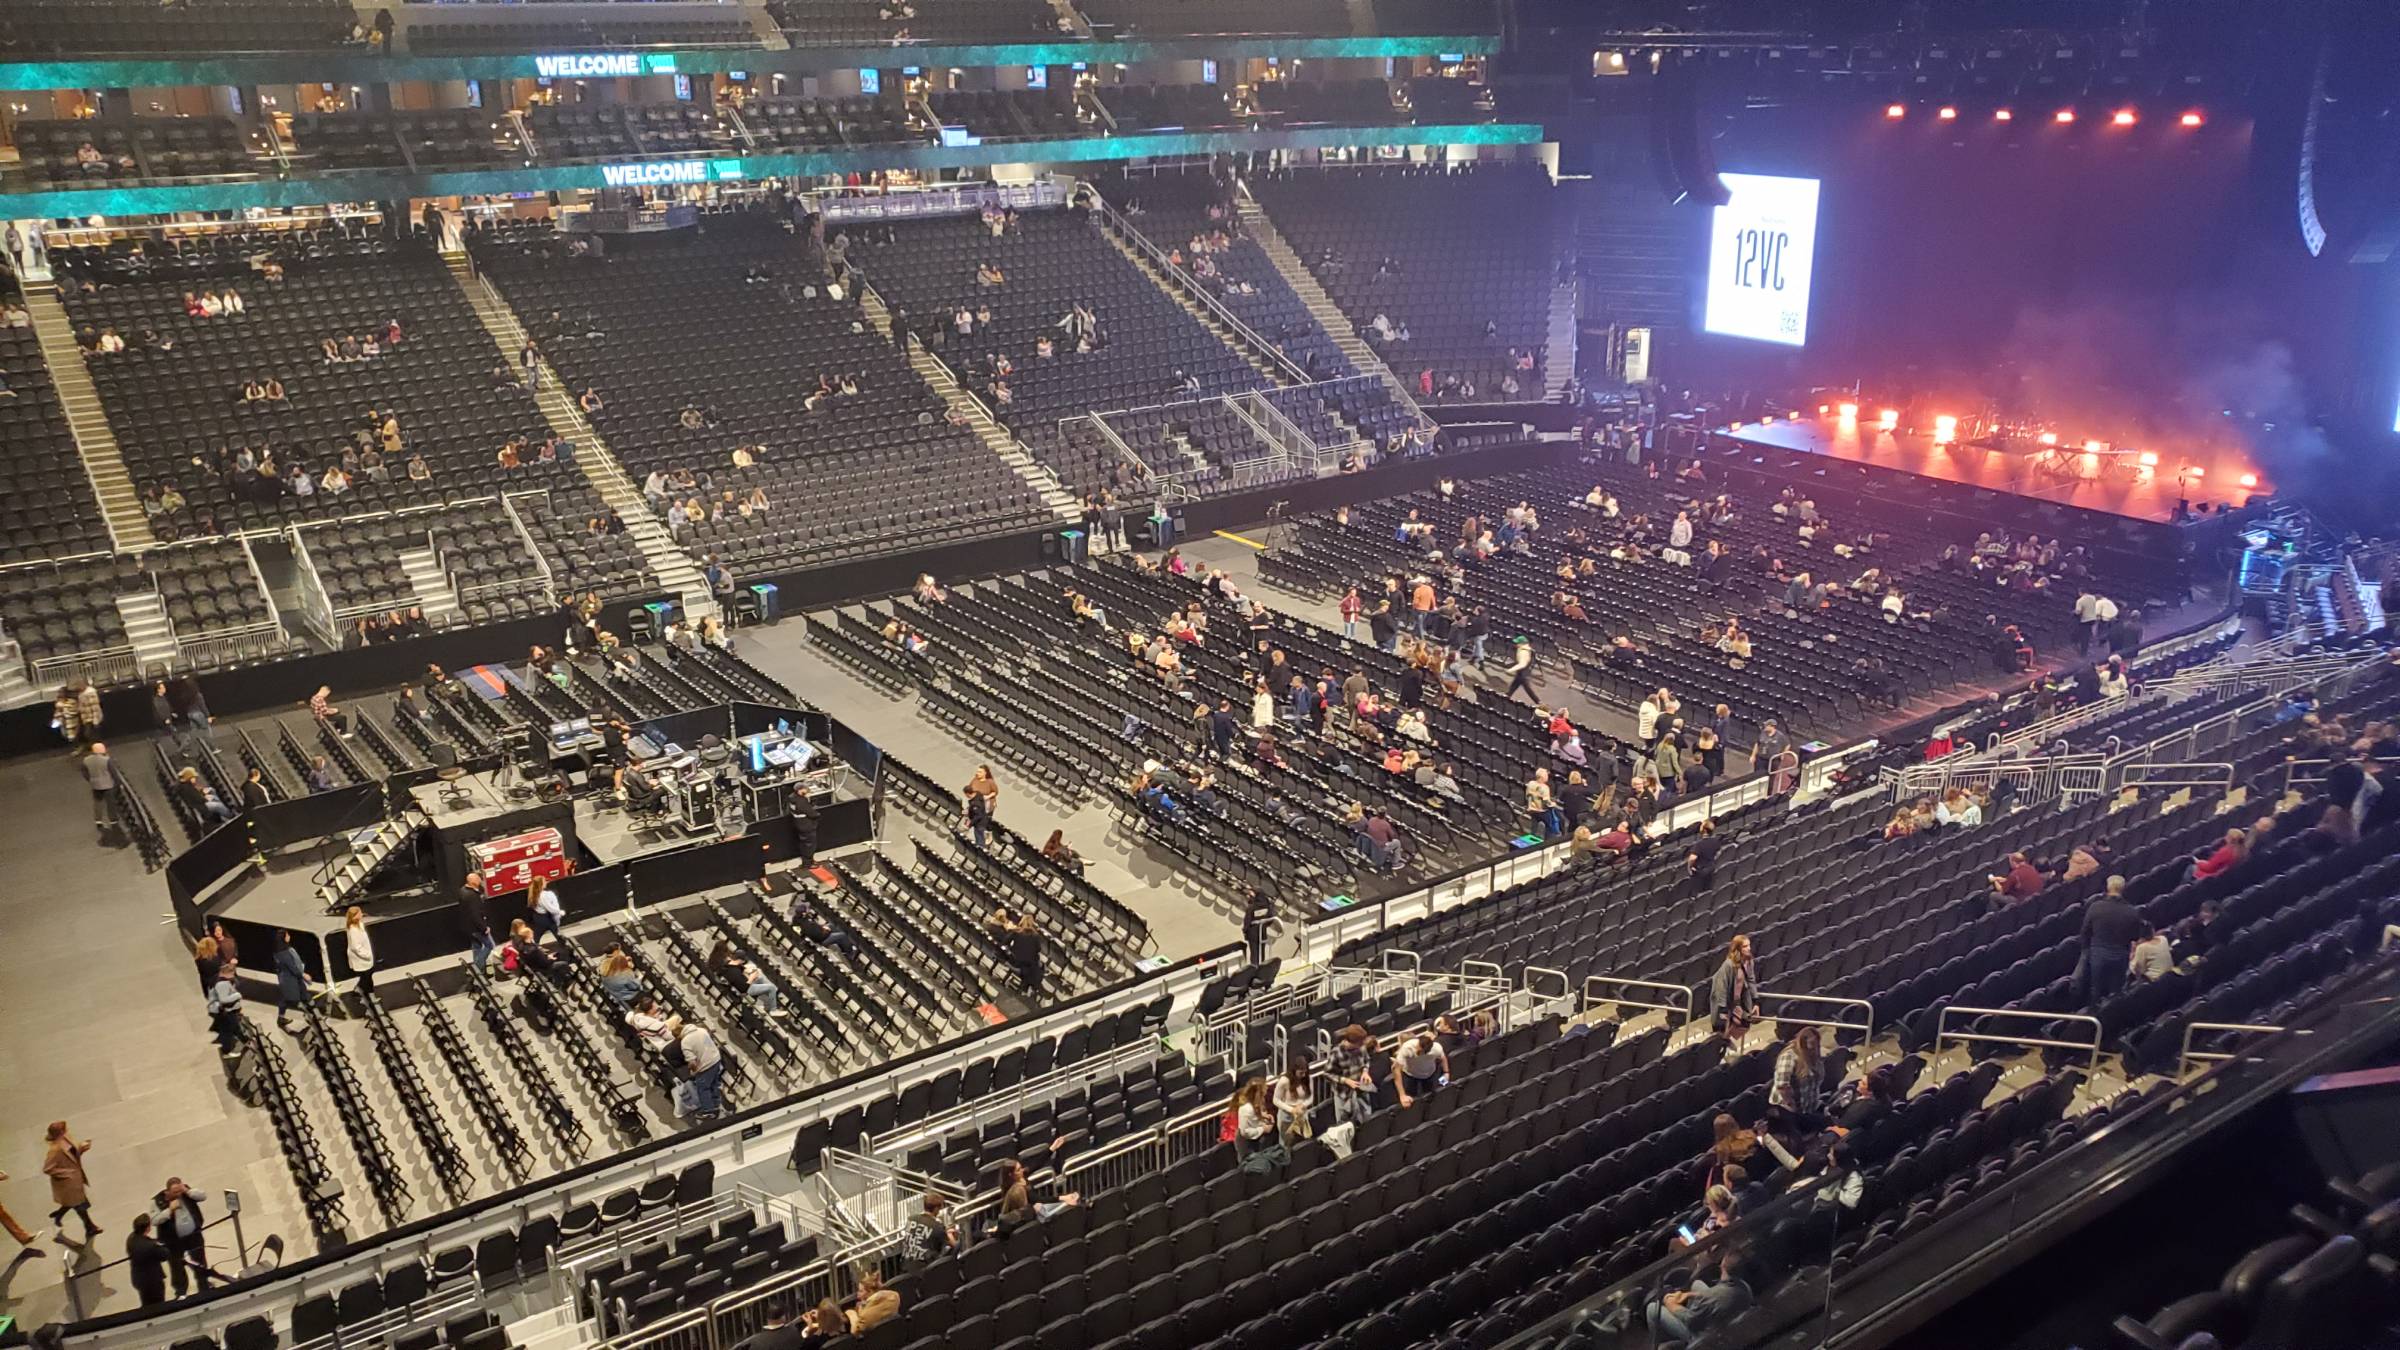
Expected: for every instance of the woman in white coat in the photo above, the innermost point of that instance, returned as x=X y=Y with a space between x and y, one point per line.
x=361 y=949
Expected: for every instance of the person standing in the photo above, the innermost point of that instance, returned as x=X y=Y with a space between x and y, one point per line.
x=225 y=1015
x=1520 y=673
x=1352 y=606
x=2111 y=925
x=146 y=1261
x=475 y=920
x=70 y=1185
x=704 y=1069
x=291 y=979
x=544 y=913
x=1733 y=990
x=175 y=1211
x=1419 y=1066
x=99 y=771
x=983 y=803
x=360 y=948
x=1701 y=856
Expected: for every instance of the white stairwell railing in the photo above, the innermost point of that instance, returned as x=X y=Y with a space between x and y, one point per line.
x=1267 y=351
x=316 y=604
x=525 y=536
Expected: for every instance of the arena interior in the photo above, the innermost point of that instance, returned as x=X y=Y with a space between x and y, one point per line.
x=1238 y=674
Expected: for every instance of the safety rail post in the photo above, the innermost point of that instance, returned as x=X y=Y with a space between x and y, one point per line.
x=1864 y=1026
x=1542 y=987
x=2186 y=1057
x=1943 y=1033
x=1663 y=997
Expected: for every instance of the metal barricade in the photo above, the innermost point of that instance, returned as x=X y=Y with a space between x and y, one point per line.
x=1943 y=1034
x=1656 y=996
x=2186 y=1057
x=1833 y=1021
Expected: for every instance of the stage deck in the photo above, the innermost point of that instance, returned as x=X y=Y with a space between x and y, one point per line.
x=2119 y=487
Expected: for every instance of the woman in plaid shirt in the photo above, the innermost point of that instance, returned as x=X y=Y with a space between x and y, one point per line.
x=1351 y=1073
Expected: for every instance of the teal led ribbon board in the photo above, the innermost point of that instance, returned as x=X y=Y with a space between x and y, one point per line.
x=345 y=67
x=322 y=189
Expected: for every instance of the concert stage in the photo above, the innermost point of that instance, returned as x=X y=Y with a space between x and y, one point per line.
x=2118 y=484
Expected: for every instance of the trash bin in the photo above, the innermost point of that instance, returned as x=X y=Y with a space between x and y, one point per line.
x=769 y=600
x=1071 y=546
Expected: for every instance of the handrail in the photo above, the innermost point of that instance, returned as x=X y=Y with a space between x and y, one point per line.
x=1865 y=1026
x=508 y=507
x=868 y=1165
x=1566 y=983
x=1158 y=258
x=1671 y=993
x=1008 y=1100
x=1942 y=1032
x=2186 y=1057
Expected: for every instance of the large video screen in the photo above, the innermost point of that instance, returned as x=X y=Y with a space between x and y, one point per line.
x=1762 y=245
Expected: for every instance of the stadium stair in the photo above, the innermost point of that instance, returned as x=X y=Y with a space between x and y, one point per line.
x=350 y=873
x=146 y=625
x=994 y=436
x=1268 y=368
x=675 y=569
x=1328 y=315
x=1565 y=319
x=435 y=595
x=103 y=462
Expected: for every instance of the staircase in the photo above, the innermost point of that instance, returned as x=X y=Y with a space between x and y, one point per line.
x=431 y=582
x=994 y=436
x=1558 y=355
x=16 y=688
x=1190 y=453
x=147 y=628
x=369 y=850
x=1328 y=315
x=95 y=444
x=1267 y=365
x=674 y=568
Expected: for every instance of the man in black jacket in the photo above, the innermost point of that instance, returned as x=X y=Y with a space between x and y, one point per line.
x=2111 y=926
x=475 y=919
x=146 y=1260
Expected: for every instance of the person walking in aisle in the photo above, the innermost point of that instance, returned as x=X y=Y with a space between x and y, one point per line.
x=1520 y=673
x=70 y=1185
x=225 y=1015
x=99 y=771
x=982 y=803
x=544 y=913
x=475 y=920
x=361 y=949
x=1733 y=990
x=291 y=979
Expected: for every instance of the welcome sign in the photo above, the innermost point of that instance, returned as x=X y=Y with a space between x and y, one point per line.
x=601 y=65
x=665 y=173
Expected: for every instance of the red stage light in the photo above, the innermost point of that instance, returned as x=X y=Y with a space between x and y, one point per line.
x=2003 y=115
x=1824 y=408
x=2093 y=448
x=1948 y=114
x=1849 y=412
x=2195 y=471
x=1945 y=429
x=2048 y=438
x=2190 y=119
x=1888 y=419
x=2063 y=116
x=2149 y=459
x=1895 y=111
x=2249 y=480
x=2124 y=117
